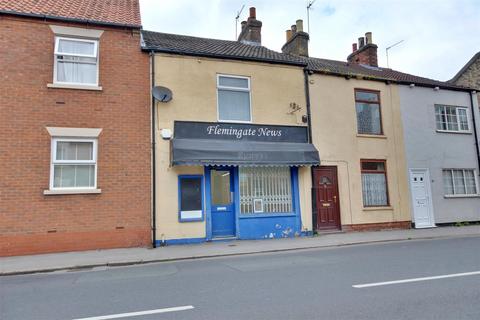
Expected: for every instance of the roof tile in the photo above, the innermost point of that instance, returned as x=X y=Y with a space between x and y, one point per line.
x=115 y=12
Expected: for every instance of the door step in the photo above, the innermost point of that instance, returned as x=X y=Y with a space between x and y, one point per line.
x=228 y=238
x=329 y=231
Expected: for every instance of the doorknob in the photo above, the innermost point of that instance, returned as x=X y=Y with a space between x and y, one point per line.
x=335 y=199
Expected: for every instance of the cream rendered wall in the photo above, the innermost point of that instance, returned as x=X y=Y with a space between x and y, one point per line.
x=193 y=83
x=334 y=133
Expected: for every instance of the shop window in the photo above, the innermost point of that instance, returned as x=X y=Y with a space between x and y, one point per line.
x=450 y=118
x=461 y=182
x=74 y=164
x=190 y=200
x=374 y=183
x=76 y=61
x=367 y=105
x=265 y=190
x=233 y=94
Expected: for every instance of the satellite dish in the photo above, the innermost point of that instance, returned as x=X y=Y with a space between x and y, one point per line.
x=162 y=94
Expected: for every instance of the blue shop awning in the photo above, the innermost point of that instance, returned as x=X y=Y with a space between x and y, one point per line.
x=203 y=152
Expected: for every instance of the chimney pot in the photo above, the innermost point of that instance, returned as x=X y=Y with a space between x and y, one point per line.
x=368 y=38
x=253 y=13
x=289 y=34
x=299 y=25
x=294 y=28
x=361 y=42
x=354 y=47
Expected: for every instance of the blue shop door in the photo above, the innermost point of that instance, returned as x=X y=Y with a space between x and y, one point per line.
x=222 y=202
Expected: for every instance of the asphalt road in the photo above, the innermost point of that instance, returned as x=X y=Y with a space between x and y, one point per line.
x=309 y=284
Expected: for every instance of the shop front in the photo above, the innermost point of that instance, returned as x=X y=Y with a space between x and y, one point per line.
x=253 y=179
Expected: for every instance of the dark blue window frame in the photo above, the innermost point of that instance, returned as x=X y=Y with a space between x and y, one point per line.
x=180 y=178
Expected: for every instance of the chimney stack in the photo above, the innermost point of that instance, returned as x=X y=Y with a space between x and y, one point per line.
x=251 y=30
x=365 y=53
x=297 y=40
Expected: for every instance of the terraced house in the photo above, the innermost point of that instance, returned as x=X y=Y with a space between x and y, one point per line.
x=232 y=141
x=75 y=126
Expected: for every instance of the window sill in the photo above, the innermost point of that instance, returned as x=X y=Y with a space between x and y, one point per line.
x=453 y=196
x=71 y=191
x=454 y=132
x=377 y=208
x=377 y=136
x=74 y=86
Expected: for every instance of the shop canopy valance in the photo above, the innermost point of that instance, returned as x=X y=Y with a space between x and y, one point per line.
x=199 y=143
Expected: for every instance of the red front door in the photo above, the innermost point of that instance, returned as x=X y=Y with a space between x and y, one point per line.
x=325 y=198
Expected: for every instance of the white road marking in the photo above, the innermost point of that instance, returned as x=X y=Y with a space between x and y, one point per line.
x=139 y=313
x=386 y=283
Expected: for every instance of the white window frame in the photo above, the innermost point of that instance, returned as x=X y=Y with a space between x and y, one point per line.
x=458 y=119
x=234 y=89
x=461 y=195
x=54 y=161
x=96 y=55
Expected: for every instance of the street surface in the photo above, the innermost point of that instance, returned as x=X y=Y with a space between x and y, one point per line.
x=427 y=279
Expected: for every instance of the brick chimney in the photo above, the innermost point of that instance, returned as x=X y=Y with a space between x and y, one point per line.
x=251 y=30
x=297 y=40
x=365 y=53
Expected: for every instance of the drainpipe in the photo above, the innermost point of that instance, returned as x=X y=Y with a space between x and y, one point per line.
x=154 y=176
x=472 y=104
x=309 y=126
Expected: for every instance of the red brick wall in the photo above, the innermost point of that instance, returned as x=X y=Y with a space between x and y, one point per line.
x=366 y=55
x=377 y=226
x=31 y=222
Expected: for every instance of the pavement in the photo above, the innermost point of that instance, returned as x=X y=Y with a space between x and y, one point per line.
x=134 y=256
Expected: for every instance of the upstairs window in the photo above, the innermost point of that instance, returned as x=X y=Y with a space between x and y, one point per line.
x=367 y=104
x=233 y=95
x=451 y=118
x=76 y=61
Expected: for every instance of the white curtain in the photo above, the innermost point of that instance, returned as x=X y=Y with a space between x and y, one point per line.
x=76 y=69
x=374 y=189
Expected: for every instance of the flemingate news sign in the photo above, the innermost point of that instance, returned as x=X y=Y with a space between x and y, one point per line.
x=239 y=132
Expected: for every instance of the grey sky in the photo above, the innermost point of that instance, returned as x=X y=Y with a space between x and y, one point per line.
x=440 y=36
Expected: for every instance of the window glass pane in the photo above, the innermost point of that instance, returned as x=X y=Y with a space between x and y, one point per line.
x=441 y=118
x=190 y=194
x=233 y=105
x=368 y=118
x=220 y=186
x=233 y=82
x=374 y=187
x=452 y=123
x=470 y=182
x=74 y=176
x=70 y=150
x=377 y=166
x=458 y=181
x=76 y=47
x=462 y=117
x=76 y=72
x=265 y=190
x=366 y=96
x=448 y=182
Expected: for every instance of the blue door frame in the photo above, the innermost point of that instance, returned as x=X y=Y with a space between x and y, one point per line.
x=225 y=216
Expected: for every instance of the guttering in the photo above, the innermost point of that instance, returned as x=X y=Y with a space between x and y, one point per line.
x=154 y=174
x=392 y=80
x=307 y=98
x=472 y=105
x=68 y=19
x=221 y=56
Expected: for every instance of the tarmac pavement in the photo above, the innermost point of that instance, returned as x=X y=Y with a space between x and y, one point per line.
x=131 y=256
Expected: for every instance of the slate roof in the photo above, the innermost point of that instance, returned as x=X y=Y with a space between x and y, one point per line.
x=187 y=45
x=223 y=49
x=374 y=73
x=105 y=12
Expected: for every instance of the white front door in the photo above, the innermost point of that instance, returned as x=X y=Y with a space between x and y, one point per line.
x=421 y=197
